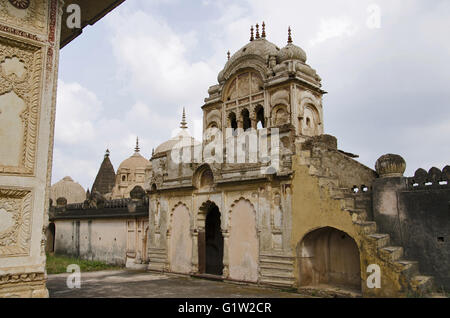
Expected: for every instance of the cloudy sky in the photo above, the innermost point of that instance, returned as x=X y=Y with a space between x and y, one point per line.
x=132 y=73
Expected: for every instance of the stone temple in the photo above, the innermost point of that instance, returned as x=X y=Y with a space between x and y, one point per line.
x=266 y=198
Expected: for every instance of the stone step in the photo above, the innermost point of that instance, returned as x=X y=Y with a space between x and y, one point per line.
x=275 y=265
x=363 y=203
x=270 y=258
x=391 y=253
x=422 y=284
x=380 y=240
x=347 y=203
x=156 y=259
x=277 y=273
x=337 y=194
x=277 y=282
x=367 y=226
x=409 y=268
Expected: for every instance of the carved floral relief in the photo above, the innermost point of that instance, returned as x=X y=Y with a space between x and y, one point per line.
x=15 y=222
x=20 y=74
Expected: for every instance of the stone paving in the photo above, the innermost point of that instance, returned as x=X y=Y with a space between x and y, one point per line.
x=138 y=284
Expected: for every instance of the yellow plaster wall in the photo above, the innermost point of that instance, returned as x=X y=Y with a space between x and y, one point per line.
x=313 y=208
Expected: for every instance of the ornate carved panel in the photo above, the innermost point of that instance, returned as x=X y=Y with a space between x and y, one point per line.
x=25 y=14
x=20 y=77
x=15 y=222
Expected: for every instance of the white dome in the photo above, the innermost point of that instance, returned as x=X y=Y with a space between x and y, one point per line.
x=69 y=189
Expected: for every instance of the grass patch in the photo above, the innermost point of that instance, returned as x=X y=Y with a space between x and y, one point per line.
x=57 y=264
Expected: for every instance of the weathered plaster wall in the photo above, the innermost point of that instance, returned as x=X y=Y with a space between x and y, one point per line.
x=180 y=242
x=100 y=240
x=243 y=243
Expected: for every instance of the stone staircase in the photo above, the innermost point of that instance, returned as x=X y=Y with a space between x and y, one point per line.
x=158 y=259
x=276 y=270
x=359 y=206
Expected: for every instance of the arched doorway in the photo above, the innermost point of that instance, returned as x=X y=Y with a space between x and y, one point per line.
x=210 y=240
x=213 y=243
x=328 y=256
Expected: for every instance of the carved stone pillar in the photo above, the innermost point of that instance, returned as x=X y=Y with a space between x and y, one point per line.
x=29 y=46
x=226 y=257
x=240 y=124
x=201 y=240
x=194 y=252
x=254 y=122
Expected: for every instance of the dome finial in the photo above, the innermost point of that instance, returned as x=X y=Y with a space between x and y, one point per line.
x=289 y=35
x=251 y=34
x=228 y=54
x=257 y=31
x=137 y=149
x=107 y=152
x=183 y=124
x=263 y=35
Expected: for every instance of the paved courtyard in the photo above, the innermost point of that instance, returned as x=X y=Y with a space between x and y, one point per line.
x=151 y=285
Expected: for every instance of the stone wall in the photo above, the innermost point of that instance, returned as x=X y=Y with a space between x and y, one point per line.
x=416 y=212
x=95 y=240
x=114 y=232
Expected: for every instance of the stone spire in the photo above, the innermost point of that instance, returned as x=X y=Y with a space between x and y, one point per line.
x=263 y=35
x=183 y=124
x=106 y=176
x=289 y=35
x=137 y=149
x=257 y=31
x=251 y=34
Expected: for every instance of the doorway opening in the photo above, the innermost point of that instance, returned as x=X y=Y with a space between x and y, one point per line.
x=329 y=257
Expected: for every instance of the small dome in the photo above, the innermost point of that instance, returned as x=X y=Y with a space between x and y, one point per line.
x=72 y=191
x=183 y=136
x=291 y=52
x=136 y=161
x=390 y=166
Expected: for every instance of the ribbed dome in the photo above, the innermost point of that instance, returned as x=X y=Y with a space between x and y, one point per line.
x=69 y=189
x=291 y=52
x=259 y=47
x=134 y=162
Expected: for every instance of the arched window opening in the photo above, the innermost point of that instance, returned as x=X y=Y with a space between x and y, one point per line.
x=260 y=118
x=233 y=121
x=207 y=179
x=246 y=119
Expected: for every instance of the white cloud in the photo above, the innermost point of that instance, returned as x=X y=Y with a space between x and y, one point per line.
x=76 y=111
x=334 y=28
